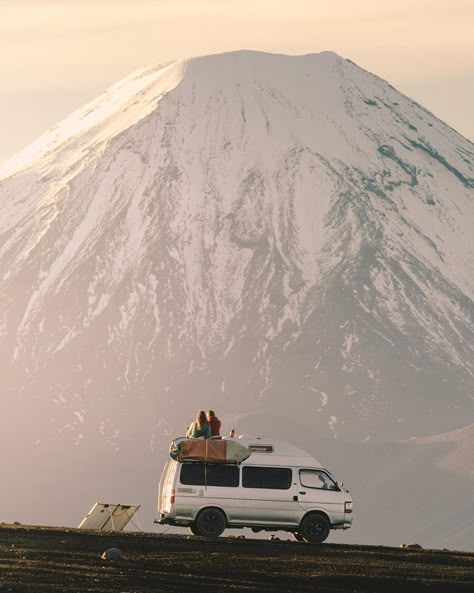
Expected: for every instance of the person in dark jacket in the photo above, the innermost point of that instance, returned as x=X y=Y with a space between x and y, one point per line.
x=199 y=429
x=214 y=423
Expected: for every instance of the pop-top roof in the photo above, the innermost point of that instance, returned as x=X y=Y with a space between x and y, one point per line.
x=267 y=451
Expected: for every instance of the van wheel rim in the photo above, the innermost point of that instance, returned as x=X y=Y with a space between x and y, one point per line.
x=315 y=528
x=211 y=522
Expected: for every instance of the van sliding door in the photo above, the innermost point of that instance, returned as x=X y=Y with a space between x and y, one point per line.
x=269 y=496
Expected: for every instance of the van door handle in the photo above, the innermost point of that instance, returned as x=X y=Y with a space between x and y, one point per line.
x=302 y=492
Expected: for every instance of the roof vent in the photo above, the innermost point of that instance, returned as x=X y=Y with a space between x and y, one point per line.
x=261 y=448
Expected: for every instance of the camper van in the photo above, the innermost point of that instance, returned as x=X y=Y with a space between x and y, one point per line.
x=278 y=487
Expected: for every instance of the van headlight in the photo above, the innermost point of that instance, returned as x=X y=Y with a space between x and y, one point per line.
x=348 y=506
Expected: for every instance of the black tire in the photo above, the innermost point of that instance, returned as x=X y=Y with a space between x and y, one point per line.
x=193 y=530
x=314 y=528
x=210 y=523
x=298 y=537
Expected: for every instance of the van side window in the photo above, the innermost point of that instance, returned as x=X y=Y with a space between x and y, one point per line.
x=201 y=474
x=278 y=478
x=310 y=478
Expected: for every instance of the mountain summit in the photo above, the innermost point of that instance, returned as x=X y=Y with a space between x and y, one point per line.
x=285 y=239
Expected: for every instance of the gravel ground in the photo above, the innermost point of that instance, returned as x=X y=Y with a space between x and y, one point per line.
x=47 y=560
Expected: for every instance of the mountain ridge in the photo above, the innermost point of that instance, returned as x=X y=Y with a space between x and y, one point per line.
x=247 y=225
x=263 y=235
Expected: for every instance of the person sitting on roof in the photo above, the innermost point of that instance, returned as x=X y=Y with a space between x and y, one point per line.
x=214 y=423
x=199 y=429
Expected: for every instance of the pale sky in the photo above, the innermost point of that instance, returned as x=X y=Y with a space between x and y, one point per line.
x=55 y=55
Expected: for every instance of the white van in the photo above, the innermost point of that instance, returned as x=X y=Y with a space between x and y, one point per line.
x=279 y=487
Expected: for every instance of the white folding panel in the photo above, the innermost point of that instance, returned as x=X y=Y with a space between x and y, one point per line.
x=109 y=517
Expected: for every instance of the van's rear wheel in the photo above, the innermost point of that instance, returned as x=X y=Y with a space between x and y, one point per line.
x=314 y=529
x=210 y=523
x=193 y=530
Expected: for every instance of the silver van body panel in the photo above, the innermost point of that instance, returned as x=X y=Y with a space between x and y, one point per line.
x=266 y=508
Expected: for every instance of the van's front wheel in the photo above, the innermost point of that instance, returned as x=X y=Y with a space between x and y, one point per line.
x=210 y=523
x=314 y=528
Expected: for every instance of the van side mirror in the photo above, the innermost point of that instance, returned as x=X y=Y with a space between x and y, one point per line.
x=341 y=486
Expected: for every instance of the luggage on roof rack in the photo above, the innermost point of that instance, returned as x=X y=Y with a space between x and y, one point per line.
x=208 y=450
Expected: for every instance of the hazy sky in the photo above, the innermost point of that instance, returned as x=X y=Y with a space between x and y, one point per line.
x=55 y=55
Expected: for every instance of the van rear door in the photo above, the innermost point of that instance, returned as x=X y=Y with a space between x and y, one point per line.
x=318 y=491
x=167 y=486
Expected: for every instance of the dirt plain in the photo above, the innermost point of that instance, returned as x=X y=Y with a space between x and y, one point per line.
x=47 y=560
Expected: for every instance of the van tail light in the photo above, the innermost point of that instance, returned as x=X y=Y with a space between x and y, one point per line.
x=172 y=496
x=348 y=506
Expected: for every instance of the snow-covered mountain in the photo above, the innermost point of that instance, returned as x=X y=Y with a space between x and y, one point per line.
x=287 y=240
